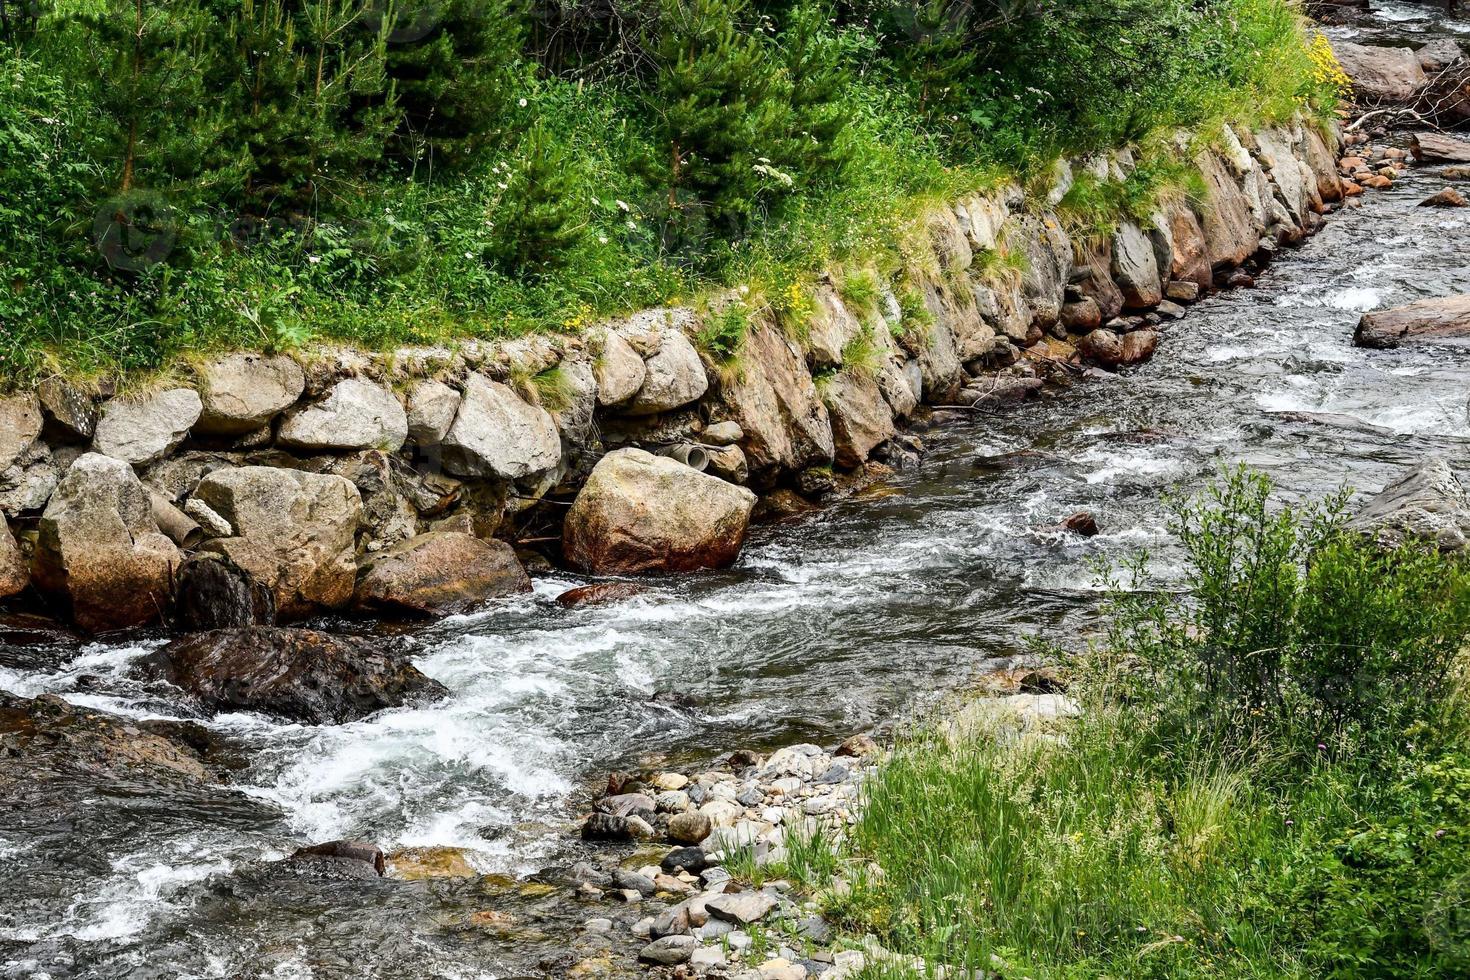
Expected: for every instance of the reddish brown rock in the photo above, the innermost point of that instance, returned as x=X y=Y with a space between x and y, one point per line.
x=1447 y=198
x=1082 y=523
x=598 y=594
x=440 y=573
x=1443 y=319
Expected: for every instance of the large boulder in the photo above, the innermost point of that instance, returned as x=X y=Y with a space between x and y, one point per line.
x=644 y=513
x=432 y=406
x=99 y=547
x=1323 y=163
x=498 y=434
x=831 y=328
x=1180 y=248
x=1444 y=319
x=1425 y=504
x=294 y=533
x=440 y=573
x=356 y=414
x=1135 y=269
x=243 y=392
x=1048 y=257
x=20 y=425
x=145 y=429
x=675 y=375
x=784 y=425
x=1438 y=148
x=861 y=418
x=14 y=575
x=1381 y=75
x=299 y=674
x=1232 y=231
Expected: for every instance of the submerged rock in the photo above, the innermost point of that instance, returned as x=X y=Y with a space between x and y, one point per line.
x=100 y=549
x=1445 y=318
x=1426 y=504
x=644 y=513
x=440 y=573
x=298 y=674
x=1447 y=198
x=340 y=859
x=211 y=592
x=598 y=594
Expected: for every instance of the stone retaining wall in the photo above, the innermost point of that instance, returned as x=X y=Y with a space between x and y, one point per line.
x=303 y=473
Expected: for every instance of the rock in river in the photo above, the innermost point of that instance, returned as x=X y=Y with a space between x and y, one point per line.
x=644 y=513
x=1445 y=318
x=298 y=674
x=1426 y=504
x=440 y=573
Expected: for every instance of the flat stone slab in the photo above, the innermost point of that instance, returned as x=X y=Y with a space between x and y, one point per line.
x=1445 y=319
x=742 y=907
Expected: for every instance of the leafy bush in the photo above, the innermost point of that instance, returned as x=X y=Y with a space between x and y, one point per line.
x=1179 y=828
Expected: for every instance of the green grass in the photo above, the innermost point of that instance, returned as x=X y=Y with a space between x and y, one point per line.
x=1162 y=834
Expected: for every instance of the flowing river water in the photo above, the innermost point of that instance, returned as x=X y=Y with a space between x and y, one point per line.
x=834 y=624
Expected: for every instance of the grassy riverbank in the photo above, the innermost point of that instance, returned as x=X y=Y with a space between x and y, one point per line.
x=292 y=170
x=1270 y=778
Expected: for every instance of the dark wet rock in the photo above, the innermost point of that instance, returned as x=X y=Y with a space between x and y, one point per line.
x=583 y=873
x=644 y=513
x=691 y=859
x=299 y=674
x=29 y=629
x=598 y=594
x=1082 y=523
x=340 y=859
x=440 y=573
x=1441 y=319
x=1426 y=504
x=1447 y=198
x=47 y=738
x=211 y=592
x=606 y=827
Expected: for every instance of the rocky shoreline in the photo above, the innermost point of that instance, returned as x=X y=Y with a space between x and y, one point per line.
x=266 y=488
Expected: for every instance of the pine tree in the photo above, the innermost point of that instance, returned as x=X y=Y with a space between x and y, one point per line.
x=543 y=214
x=712 y=97
x=815 y=74
x=457 y=84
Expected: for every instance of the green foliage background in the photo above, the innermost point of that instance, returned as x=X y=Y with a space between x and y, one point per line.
x=276 y=171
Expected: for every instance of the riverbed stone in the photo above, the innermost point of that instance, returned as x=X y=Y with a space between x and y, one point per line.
x=294 y=532
x=1426 y=321
x=643 y=513
x=669 y=950
x=356 y=414
x=497 y=434
x=1381 y=75
x=1134 y=268
x=675 y=375
x=144 y=429
x=100 y=549
x=690 y=827
x=741 y=908
x=783 y=421
x=861 y=418
x=440 y=573
x=1439 y=148
x=432 y=406
x=242 y=392
x=1426 y=503
x=299 y=674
